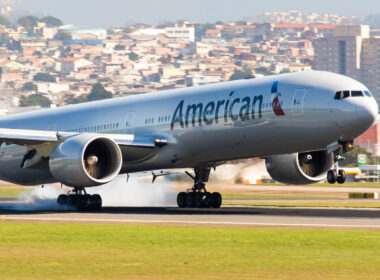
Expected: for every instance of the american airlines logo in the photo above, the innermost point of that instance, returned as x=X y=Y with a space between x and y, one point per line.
x=230 y=110
x=276 y=104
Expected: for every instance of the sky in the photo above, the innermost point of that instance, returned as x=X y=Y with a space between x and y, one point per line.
x=107 y=13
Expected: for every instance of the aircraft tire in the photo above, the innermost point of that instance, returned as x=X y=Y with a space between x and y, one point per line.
x=341 y=176
x=332 y=176
x=181 y=200
x=216 y=200
x=62 y=199
x=190 y=199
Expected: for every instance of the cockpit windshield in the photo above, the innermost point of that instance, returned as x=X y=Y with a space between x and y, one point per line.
x=351 y=93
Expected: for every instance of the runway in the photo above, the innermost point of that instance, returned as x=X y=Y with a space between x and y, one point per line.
x=272 y=217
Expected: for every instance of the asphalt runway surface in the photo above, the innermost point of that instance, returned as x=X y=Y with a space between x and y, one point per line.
x=272 y=217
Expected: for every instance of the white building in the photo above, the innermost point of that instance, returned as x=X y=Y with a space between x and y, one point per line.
x=185 y=33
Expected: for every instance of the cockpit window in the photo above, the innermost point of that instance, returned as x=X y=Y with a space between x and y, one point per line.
x=356 y=93
x=338 y=95
x=346 y=94
x=367 y=93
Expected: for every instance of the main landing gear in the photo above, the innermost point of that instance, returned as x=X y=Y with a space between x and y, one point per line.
x=197 y=196
x=339 y=175
x=79 y=199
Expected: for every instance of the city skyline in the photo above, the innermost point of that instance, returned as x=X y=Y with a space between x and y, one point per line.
x=121 y=12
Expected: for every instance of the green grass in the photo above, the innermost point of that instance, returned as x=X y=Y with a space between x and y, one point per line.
x=69 y=251
x=351 y=204
x=325 y=184
x=12 y=192
x=271 y=196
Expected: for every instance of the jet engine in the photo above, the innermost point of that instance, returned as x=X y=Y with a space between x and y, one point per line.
x=86 y=161
x=300 y=168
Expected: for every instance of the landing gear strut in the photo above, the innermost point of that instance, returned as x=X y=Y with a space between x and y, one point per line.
x=337 y=175
x=79 y=199
x=197 y=196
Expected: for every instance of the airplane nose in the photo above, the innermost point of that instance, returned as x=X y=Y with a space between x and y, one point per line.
x=367 y=113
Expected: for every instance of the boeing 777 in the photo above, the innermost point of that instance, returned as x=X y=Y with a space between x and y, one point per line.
x=301 y=123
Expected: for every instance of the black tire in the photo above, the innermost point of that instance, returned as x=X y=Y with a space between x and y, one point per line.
x=216 y=200
x=62 y=199
x=181 y=200
x=96 y=201
x=341 y=176
x=332 y=176
x=198 y=199
x=71 y=200
x=206 y=202
x=80 y=202
x=190 y=199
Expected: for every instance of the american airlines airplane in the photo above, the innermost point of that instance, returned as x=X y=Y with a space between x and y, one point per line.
x=301 y=123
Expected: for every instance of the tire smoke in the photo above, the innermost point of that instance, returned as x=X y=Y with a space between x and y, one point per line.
x=138 y=191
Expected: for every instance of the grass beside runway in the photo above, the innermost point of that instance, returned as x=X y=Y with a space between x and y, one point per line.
x=72 y=251
x=343 y=204
x=12 y=191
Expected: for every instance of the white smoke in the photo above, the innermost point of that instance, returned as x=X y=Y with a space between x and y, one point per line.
x=138 y=191
x=38 y=199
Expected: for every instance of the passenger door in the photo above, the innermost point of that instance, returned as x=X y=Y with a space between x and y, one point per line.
x=297 y=103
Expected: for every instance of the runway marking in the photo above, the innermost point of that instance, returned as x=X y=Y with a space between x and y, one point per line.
x=186 y=222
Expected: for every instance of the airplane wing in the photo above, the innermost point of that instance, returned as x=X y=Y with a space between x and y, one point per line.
x=45 y=141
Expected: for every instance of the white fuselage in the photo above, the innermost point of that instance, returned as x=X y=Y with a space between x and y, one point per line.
x=208 y=124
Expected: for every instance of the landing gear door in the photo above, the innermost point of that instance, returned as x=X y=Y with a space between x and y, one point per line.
x=129 y=122
x=297 y=103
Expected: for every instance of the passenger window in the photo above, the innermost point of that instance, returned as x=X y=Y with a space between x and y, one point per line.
x=356 y=93
x=367 y=93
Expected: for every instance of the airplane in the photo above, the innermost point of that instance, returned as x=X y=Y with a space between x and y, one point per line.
x=300 y=123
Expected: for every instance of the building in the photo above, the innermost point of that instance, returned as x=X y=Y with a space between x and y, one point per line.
x=341 y=53
x=185 y=33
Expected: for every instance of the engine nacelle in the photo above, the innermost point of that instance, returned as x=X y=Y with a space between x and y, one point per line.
x=300 y=168
x=86 y=161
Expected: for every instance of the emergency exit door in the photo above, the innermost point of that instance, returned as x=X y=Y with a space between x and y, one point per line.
x=297 y=103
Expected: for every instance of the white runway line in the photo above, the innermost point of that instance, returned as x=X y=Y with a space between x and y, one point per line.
x=186 y=222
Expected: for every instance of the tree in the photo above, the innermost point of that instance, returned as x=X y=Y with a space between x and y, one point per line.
x=51 y=21
x=133 y=56
x=36 y=99
x=63 y=36
x=28 y=22
x=241 y=74
x=44 y=77
x=29 y=86
x=4 y=21
x=263 y=70
x=75 y=100
x=352 y=157
x=98 y=92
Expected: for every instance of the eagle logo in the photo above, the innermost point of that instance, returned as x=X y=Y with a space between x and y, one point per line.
x=276 y=104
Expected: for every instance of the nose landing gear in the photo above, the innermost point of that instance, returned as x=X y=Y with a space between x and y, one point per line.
x=336 y=174
x=79 y=199
x=198 y=196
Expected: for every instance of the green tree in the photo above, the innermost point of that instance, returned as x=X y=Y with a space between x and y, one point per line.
x=44 y=77
x=4 y=21
x=98 y=92
x=63 y=36
x=28 y=22
x=241 y=74
x=263 y=70
x=51 y=21
x=36 y=99
x=352 y=157
x=75 y=100
x=29 y=86
x=133 y=56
